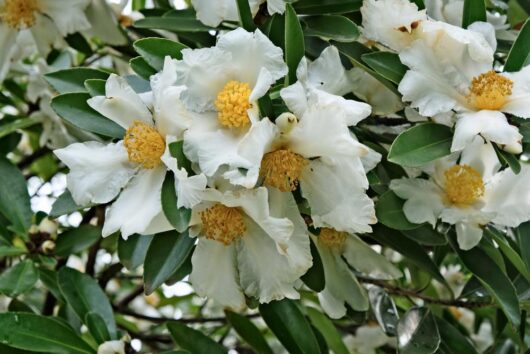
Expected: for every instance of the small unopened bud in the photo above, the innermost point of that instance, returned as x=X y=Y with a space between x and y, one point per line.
x=48 y=247
x=286 y=122
x=48 y=226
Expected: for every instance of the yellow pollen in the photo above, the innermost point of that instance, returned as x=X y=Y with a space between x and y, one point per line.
x=19 y=14
x=282 y=169
x=463 y=185
x=222 y=223
x=144 y=144
x=332 y=238
x=232 y=104
x=489 y=90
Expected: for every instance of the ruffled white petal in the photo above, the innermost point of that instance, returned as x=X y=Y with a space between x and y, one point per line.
x=138 y=204
x=214 y=273
x=112 y=347
x=213 y=13
x=327 y=73
x=468 y=235
x=7 y=43
x=68 y=15
x=276 y=6
x=518 y=103
x=482 y=157
x=295 y=98
x=46 y=35
x=97 y=172
x=120 y=103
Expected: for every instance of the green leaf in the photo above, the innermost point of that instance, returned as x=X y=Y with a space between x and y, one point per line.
x=84 y=295
x=249 y=332
x=192 y=340
x=421 y=144
x=509 y=252
x=167 y=252
x=387 y=64
x=314 y=278
x=64 y=205
x=77 y=239
x=335 y=27
x=419 y=3
x=7 y=251
x=318 y=7
x=492 y=278
x=138 y=4
x=73 y=80
x=287 y=322
x=14 y=197
x=389 y=212
x=79 y=43
x=132 y=251
x=417 y=332
x=43 y=334
x=141 y=67
x=508 y=159
x=6 y=129
x=95 y=87
x=73 y=108
x=178 y=217
x=453 y=339
x=523 y=239
x=425 y=235
x=155 y=50
x=176 y=149
x=19 y=279
x=245 y=15
x=474 y=10
x=326 y=327
x=97 y=327
x=384 y=310
x=49 y=279
x=170 y=24
x=294 y=43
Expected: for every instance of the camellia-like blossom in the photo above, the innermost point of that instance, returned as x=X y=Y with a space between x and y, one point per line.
x=253 y=240
x=212 y=13
x=223 y=84
x=112 y=347
x=139 y=162
x=438 y=82
x=47 y=21
x=341 y=285
x=468 y=194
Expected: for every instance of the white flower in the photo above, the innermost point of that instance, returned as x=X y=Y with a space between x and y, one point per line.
x=212 y=13
x=251 y=242
x=449 y=76
x=319 y=153
x=366 y=340
x=223 y=84
x=46 y=20
x=341 y=285
x=469 y=194
x=105 y=19
x=138 y=164
x=112 y=347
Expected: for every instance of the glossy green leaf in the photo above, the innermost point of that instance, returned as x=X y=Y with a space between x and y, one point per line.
x=170 y=24
x=43 y=334
x=509 y=252
x=419 y=3
x=474 y=10
x=64 y=205
x=421 y=144
x=335 y=27
x=7 y=251
x=384 y=310
x=167 y=252
x=492 y=278
x=19 y=278
x=73 y=80
x=248 y=332
x=95 y=87
x=453 y=341
x=79 y=43
x=133 y=250
x=14 y=197
x=176 y=150
x=328 y=330
x=73 y=108
x=178 y=217
x=97 y=327
x=154 y=50
x=77 y=239
x=8 y=128
x=389 y=212
x=294 y=43
x=245 y=15
x=141 y=67
x=387 y=64
x=287 y=322
x=318 y=7
x=519 y=55
x=425 y=235
x=523 y=239
x=192 y=340
x=508 y=159
x=49 y=279
x=417 y=332
x=84 y=295
x=314 y=277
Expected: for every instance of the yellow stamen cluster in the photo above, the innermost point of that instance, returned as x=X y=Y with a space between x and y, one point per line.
x=282 y=169
x=489 y=90
x=144 y=144
x=463 y=185
x=332 y=238
x=19 y=14
x=232 y=104
x=222 y=223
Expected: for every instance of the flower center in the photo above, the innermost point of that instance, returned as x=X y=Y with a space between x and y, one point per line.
x=232 y=104
x=463 y=185
x=332 y=238
x=222 y=223
x=19 y=14
x=489 y=90
x=282 y=169
x=144 y=144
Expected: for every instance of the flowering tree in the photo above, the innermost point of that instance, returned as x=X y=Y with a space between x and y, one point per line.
x=240 y=176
